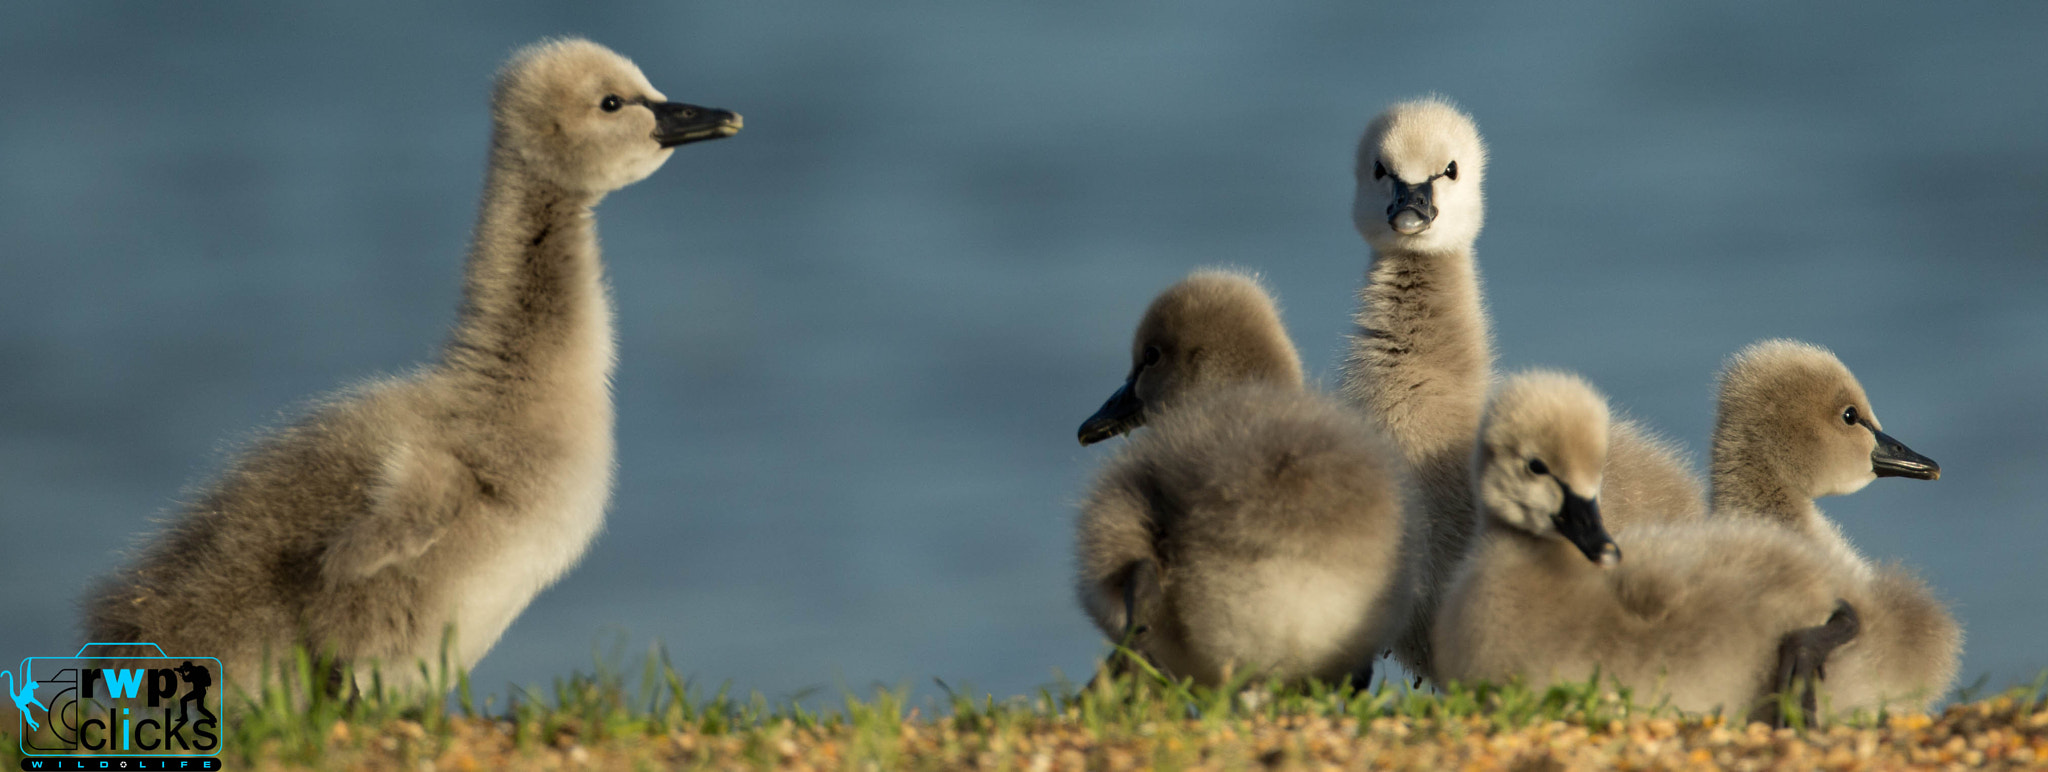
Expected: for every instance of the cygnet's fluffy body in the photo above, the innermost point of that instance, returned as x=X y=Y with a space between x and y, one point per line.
x=1650 y=479
x=450 y=497
x=1251 y=528
x=1421 y=357
x=1695 y=613
x=1793 y=425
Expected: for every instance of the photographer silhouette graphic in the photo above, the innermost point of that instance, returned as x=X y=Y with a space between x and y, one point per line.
x=196 y=679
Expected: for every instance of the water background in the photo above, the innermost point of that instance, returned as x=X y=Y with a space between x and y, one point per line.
x=857 y=338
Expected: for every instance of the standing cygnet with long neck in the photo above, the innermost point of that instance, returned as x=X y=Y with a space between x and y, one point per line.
x=1421 y=357
x=452 y=496
x=1794 y=425
x=1710 y=615
x=1252 y=527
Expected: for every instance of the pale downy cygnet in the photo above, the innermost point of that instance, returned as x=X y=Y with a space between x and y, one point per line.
x=1251 y=527
x=1421 y=357
x=1709 y=615
x=398 y=509
x=1794 y=425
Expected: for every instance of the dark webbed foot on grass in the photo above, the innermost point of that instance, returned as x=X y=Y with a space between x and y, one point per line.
x=1128 y=645
x=1127 y=649
x=1361 y=679
x=1803 y=656
x=342 y=684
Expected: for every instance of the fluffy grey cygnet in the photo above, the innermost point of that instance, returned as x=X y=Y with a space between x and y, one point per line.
x=1251 y=527
x=1421 y=357
x=1794 y=425
x=453 y=495
x=1710 y=615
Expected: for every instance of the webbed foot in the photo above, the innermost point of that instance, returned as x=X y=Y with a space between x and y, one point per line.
x=1802 y=660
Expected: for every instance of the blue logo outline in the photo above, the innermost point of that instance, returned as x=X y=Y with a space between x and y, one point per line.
x=190 y=675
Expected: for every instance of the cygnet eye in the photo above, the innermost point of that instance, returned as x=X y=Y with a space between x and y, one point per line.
x=1536 y=466
x=611 y=103
x=1151 y=355
x=1849 y=415
x=1379 y=170
x=1452 y=170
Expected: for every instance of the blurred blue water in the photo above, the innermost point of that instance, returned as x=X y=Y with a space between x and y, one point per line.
x=856 y=339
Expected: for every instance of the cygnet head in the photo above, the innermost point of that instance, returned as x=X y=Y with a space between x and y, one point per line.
x=1538 y=464
x=1797 y=409
x=1213 y=328
x=1420 y=166
x=579 y=116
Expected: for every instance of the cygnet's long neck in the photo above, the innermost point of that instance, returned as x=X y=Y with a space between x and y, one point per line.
x=1421 y=362
x=1749 y=482
x=536 y=316
x=1748 y=479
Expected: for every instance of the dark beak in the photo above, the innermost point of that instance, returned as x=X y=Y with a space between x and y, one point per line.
x=1122 y=413
x=676 y=123
x=1579 y=521
x=1892 y=458
x=1411 y=212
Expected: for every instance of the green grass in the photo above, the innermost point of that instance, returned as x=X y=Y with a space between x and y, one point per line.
x=290 y=720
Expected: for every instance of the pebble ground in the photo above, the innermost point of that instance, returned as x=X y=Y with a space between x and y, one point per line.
x=1997 y=733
